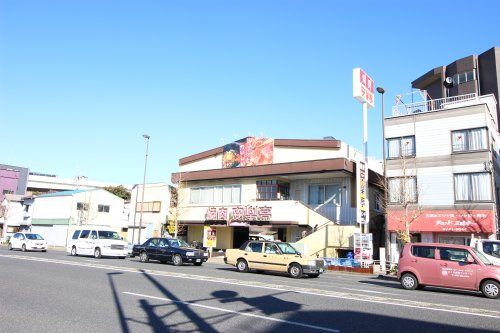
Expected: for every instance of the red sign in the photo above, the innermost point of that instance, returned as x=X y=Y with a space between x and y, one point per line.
x=248 y=152
x=469 y=221
x=363 y=87
x=239 y=213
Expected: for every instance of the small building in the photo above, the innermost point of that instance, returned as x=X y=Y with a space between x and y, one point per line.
x=156 y=210
x=56 y=215
x=293 y=190
x=443 y=169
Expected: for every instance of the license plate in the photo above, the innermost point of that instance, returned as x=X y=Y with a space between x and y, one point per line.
x=198 y=260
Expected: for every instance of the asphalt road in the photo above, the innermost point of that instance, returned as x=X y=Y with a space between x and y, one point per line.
x=53 y=292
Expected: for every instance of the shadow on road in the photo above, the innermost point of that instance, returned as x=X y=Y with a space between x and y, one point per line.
x=427 y=289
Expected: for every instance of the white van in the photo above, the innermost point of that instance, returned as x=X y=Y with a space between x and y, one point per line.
x=98 y=242
x=490 y=248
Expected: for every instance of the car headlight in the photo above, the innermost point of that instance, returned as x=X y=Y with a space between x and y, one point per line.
x=189 y=254
x=205 y=254
x=107 y=246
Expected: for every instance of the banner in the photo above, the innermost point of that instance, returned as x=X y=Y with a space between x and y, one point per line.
x=209 y=237
x=363 y=247
x=362 y=209
x=250 y=151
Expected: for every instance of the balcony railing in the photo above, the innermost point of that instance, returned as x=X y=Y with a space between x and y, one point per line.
x=434 y=105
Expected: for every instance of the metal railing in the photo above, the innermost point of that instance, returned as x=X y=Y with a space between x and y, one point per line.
x=433 y=105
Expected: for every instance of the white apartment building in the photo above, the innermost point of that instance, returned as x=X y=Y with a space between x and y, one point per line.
x=443 y=164
x=156 y=210
x=42 y=183
x=56 y=215
x=277 y=188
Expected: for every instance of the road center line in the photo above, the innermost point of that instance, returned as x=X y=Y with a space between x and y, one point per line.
x=255 y=284
x=294 y=323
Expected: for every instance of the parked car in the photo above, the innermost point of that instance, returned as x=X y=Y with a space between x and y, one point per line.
x=27 y=242
x=171 y=250
x=449 y=266
x=262 y=255
x=490 y=249
x=98 y=242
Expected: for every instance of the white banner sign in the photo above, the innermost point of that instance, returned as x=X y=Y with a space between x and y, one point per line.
x=363 y=87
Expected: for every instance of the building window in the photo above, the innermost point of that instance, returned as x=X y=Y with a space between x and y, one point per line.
x=401 y=147
x=82 y=206
x=469 y=139
x=325 y=194
x=149 y=207
x=402 y=189
x=273 y=190
x=209 y=195
x=472 y=186
x=103 y=208
x=377 y=205
x=463 y=77
x=8 y=192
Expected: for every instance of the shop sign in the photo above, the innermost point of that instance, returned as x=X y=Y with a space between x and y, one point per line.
x=209 y=236
x=363 y=87
x=362 y=212
x=469 y=221
x=363 y=247
x=250 y=151
x=239 y=214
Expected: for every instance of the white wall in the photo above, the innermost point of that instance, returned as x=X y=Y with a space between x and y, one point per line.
x=52 y=207
x=112 y=219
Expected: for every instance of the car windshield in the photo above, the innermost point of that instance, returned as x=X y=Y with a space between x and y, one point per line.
x=108 y=235
x=287 y=248
x=178 y=243
x=34 y=237
x=482 y=257
x=492 y=248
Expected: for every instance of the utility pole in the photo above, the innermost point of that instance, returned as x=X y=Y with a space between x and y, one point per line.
x=145 y=136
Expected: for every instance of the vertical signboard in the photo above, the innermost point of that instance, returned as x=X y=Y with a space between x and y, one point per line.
x=209 y=237
x=362 y=210
x=363 y=248
x=363 y=87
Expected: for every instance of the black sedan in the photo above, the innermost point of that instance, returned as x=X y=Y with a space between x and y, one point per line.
x=171 y=250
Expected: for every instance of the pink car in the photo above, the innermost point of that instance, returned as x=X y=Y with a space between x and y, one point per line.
x=449 y=266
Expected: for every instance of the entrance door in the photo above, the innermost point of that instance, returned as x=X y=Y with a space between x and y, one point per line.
x=240 y=236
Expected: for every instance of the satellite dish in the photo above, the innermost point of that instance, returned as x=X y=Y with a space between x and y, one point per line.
x=448 y=82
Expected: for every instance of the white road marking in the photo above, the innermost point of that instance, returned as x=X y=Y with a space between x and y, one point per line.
x=294 y=323
x=309 y=291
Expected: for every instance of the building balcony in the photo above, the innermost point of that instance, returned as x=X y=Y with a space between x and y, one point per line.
x=442 y=104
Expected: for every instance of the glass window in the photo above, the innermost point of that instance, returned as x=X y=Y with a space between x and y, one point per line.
x=85 y=234
x=472 y=186
x=82 y=206
x=108 y=235
x=93 y=234
x=325 y=194
x=153 y=242
x=163 y=243
x=492 y=248
x=103 y=208
x=271 y=248
x=469 y=140
x=209 y=195
x=177 y=243
x=423 y=251
x=401 y=147
x=254 y=247
x=402 y=189
x=34 y=237
x=75 y=234
x=195 y=196
x=287 y=248
x=452 y=254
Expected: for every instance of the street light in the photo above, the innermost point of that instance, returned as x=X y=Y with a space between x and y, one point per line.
x=145 y=136
x=381 y=91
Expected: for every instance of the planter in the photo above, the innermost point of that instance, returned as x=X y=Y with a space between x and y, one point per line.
x=368 y=270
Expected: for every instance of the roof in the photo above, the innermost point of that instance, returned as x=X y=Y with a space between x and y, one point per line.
x=63 y=193
x=298 y=143
x=442 y=245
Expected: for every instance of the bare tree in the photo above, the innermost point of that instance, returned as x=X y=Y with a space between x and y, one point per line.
x=87 y=211
x=178 y=203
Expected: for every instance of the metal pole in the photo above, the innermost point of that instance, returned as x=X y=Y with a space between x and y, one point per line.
x=365 y=144
x=135 y=211
x=145 y=136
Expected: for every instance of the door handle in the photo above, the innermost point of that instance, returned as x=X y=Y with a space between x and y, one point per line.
x=246 y=254
x=264 y=255
x=414 y=260
x=444 y=265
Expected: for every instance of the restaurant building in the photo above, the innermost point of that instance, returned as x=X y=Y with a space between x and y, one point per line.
x=443 y=169
x=293 y=190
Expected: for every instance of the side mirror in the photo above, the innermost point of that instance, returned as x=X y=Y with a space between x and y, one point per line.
x=470 y=260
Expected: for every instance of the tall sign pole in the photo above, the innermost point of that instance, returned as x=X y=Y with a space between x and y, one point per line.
x=363 y=91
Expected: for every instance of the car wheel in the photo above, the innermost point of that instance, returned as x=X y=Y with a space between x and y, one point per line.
x=97 y=253
x=10 y=246
x=315 y=275
x=409 y=281
x=490 y=289
x=197 y=263
x=23 y=248
x=144 y=256
x=44 y=250
x=242 y=266
x=73 y=251
x=295 y=271
x=177 y=260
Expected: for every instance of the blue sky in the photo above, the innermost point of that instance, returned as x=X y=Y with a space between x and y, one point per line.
x=81 y=81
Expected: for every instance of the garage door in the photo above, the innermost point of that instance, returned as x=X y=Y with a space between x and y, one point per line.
x=54 y=234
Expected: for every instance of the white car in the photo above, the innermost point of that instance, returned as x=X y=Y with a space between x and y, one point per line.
x=27 y=242
x=98 y=242
x=490 y=248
